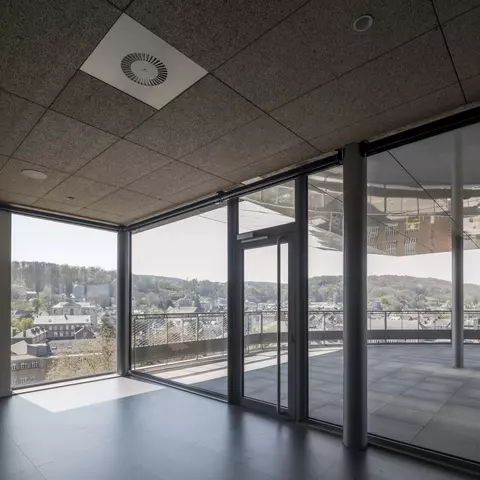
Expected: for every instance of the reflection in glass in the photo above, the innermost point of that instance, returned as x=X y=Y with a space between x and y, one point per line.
x=414 y=395
x=267 y=208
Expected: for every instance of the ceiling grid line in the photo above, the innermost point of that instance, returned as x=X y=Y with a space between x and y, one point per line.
x=338 y=77
x=442 y=31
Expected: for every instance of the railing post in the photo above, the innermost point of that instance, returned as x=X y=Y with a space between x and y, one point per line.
x=324 y=328
x=385 y=325
x=196 y=347
x=261 y=330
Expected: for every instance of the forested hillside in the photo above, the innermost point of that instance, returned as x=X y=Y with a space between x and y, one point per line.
x=388 y=291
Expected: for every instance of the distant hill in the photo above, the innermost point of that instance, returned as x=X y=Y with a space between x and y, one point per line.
x=392 y=292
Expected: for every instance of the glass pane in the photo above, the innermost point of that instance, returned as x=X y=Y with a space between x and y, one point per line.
x=325 y=280
x=63 y=301
x=179 y=321
x=415 y=395
x=260 y=324
x=267 y=208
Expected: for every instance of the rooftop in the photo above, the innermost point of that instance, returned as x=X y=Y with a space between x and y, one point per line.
x=62 y=319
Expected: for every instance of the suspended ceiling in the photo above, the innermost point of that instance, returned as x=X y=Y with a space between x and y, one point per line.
x=287 y=81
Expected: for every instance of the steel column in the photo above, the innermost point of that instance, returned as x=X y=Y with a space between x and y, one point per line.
x=124 y=299
x=5 y=302
x=299 y=342
x=235 y=308
x=355 y=298
x=457 y=252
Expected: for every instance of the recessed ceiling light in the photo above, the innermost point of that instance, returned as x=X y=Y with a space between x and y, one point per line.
x=34 y=174
x=363 y=23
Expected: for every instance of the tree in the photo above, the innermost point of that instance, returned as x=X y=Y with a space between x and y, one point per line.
x=87 y=357
x=22 y=324
x=36 y=304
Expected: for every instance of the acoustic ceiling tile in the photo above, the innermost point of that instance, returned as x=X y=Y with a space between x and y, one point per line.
x=169 y=180
x=411 y=71
x=43 y=203
x=45 y=42
x=287 y=158
x=448 y=9
x=17 y=117
x=12 y=179
x=63 y=143
x=151 y=210
x=255 y=140
x=99 y=215
x=210 y=31
x=204 y=112
x=123 y=163
x=16 y=198
x=409 y=113
x=79 y=191
x=317 y=43
x=203 y=190
x=122 y=202
x=94 y=102
x=3 y=161
x=471 y=87
x=463 y=38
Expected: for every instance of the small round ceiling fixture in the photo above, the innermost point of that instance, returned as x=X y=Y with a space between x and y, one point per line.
x=363 y=23
x=144 y=69
x=34 y=174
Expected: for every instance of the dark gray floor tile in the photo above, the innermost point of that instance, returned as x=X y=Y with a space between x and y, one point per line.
x=422 y=394
x=404 y=414
x=394 y=429
x=329 y=413
x=451 y=441
x=438 y=387
x=12 y=460
x=54 y=447
x=416 y=403
x=387 y=387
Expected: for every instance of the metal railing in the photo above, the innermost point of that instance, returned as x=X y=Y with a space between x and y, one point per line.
x=171 y=337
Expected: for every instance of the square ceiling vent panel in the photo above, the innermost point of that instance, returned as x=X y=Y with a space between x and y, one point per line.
x=136 y=61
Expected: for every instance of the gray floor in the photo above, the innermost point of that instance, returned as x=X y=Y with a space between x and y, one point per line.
x=172 y=435
x=414 y=395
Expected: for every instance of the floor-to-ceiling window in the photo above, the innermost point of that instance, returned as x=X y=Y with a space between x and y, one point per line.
x=179 y=301
x=414 y=393
x=325 y=293
x=63 y=302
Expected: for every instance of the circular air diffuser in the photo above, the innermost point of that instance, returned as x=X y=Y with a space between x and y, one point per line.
x=144 y=69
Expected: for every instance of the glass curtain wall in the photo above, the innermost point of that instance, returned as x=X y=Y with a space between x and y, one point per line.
x=415 y=395
x=267 y=208
x=179 y=301
x=325 y=282
x=63 y=301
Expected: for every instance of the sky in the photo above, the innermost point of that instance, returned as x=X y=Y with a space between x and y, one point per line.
x=197 y=248
x=37 y=240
